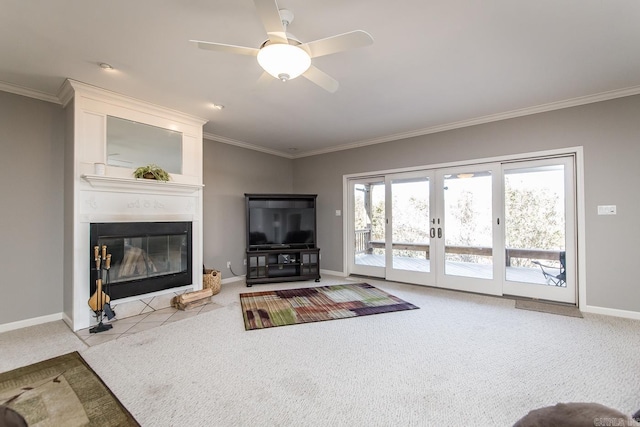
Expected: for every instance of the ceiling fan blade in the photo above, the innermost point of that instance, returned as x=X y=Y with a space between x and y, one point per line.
x=270 y=17
x=322 y=79
x=264 y=80
x=228 y=48
x=339 y=43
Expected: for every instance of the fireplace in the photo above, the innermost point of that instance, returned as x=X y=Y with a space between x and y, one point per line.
x=107 y=206
x=145 y=256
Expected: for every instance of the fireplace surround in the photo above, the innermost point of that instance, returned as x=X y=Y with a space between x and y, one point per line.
x=111 y=195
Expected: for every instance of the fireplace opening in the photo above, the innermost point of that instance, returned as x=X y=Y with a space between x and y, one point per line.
x=145 y=256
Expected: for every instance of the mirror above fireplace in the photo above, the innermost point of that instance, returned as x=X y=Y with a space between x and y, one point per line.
x=132 y=144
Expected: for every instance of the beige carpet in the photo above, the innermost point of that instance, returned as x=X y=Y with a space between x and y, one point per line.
x=462 y=359
x=545 y=307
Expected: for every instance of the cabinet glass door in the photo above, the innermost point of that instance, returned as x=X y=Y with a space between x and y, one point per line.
x=257 y=266
x=309 y=263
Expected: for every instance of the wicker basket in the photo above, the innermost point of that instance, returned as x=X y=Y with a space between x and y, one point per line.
x=211 y=279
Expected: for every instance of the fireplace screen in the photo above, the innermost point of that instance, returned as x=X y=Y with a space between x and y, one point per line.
x=136 y=258
x=145 y=257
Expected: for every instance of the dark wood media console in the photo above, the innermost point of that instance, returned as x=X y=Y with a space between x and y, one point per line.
x=281 y=238
x=282 y=265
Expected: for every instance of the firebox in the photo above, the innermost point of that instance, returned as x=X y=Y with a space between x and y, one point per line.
x=145 y=256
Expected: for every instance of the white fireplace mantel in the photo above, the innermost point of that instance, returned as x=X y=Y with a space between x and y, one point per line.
x=140 y=184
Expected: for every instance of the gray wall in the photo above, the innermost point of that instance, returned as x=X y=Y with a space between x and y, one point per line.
x=229 y=172
x=610 y=134
x=31 y=208
x=31 y=185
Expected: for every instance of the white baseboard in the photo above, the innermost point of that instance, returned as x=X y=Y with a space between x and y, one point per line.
x=66 y=319
x=233 y=279
x=333 y=273
x=611 y=312
x=30 y=322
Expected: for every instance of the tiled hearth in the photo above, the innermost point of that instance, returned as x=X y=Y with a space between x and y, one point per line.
x=142 y=322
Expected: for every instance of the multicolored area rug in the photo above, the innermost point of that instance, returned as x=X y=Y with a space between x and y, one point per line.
x=63 y=391
x=289 y=307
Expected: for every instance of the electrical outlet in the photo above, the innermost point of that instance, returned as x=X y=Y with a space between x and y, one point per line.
x=244 y=261
x=228 y=264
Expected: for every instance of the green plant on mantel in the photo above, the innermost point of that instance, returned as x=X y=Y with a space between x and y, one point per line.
x=152 y=172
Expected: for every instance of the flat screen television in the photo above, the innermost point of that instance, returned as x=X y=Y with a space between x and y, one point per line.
x=279 y=221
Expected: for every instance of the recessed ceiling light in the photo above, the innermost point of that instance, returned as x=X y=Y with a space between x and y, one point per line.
x=217 y=106
x=105 y=66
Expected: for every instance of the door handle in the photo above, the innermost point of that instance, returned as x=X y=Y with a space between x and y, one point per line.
x=439 y=233
x=433 y=232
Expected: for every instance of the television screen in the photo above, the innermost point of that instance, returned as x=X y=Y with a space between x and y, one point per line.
x=281 y=222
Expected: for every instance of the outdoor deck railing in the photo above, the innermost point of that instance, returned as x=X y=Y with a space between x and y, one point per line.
x=363 y=237
x=364 y=244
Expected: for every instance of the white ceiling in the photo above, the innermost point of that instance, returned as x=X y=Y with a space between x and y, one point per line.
x=433 y=65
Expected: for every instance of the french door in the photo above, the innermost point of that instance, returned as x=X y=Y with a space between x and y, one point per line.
x=469 y=243
x=368 y=217
x=495 y=228
x=410 y=213
x=540 y=229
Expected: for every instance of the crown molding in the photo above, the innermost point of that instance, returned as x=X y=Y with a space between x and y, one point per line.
x=246 y=145
x=558 y=105
x=70 y=88
x=66 y=93
x=29 y=93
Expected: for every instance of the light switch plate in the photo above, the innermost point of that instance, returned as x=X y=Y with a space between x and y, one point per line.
x=606 y=209
x=338 y=212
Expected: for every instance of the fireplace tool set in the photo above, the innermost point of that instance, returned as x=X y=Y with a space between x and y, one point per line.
x=99 y=301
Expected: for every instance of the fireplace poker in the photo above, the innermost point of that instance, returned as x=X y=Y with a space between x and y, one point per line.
x=108 y=311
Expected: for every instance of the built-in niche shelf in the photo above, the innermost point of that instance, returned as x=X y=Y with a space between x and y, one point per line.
x=137 y=184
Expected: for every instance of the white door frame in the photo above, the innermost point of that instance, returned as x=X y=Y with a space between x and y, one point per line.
x=578 y=152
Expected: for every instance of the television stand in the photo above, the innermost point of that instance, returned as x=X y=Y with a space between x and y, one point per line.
x=282 y=265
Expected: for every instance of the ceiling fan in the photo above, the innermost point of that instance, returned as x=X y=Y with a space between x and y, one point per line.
x=285 y=57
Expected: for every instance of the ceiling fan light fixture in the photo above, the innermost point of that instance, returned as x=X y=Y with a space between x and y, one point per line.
x=284 y=61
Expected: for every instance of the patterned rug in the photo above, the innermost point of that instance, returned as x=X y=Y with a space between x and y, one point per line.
x=292 y=306
x=63 y=391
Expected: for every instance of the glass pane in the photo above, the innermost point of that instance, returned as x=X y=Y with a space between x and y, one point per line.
x=468 y=225
x=135 y=258
x=132 y=144
x=410 y=207
x=535 y=225
x=369 y=224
